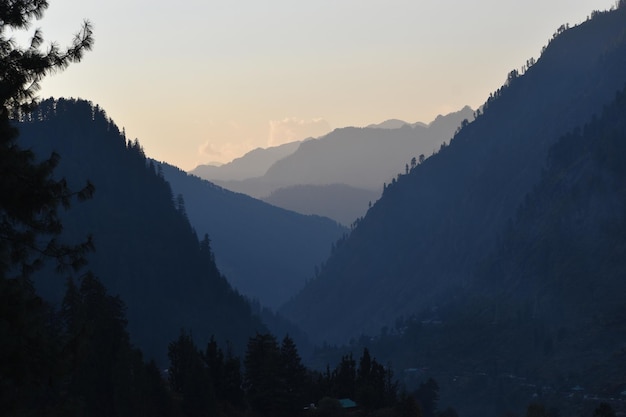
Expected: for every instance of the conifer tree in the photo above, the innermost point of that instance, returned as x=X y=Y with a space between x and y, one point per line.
x=262 y=375
x=29 y=223
x=295 y=376
x=29 y=196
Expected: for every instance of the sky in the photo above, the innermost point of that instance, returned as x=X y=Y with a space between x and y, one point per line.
x=205 y=81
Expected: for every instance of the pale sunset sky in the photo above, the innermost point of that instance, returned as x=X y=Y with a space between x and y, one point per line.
x=206 y=81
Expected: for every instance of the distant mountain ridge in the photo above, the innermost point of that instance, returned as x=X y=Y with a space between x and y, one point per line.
x=364 y=157
x=253 y=164
x=429 y=230
x=358 y=157
x=394 y=124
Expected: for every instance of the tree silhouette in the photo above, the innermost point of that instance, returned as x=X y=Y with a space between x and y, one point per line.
x=294 y=375
x=29 y=222
x=30 y=197
x=427 y=396
x=262 y=375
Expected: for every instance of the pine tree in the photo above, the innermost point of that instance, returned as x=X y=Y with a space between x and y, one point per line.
x=29 y=223
x=344 y=378
x=262 y=376
x=189 y=377
x=29 y=196
x=295 y=376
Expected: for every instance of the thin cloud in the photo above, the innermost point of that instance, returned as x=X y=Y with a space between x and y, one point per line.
x=292 y=129
x=208 y=149
x=223 y=152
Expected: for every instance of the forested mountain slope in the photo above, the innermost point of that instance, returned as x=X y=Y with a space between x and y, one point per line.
x=146 y=250
x=545 y=311
x=431 y=227
x=266 y=252
x=565 y=253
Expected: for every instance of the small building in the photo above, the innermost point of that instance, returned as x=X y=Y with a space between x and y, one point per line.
x=347 y=403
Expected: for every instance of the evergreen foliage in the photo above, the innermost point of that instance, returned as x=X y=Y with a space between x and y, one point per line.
x=30 y=223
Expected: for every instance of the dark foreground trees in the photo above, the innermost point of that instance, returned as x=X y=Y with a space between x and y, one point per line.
x=29 y=199
x=29 y=196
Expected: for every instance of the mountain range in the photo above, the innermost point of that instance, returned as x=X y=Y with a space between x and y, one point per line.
x=360 y=158
x=251 y=165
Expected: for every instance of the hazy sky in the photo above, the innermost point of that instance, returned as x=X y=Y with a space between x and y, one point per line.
x=200 y=81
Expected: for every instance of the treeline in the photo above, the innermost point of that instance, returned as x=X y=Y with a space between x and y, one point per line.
x=79 y=361
x=272 y=381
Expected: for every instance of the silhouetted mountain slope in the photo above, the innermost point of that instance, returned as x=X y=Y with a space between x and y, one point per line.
x=358 y=157
x=253 y=164
x=146 y=250
x=337 y=201
x=425 y=235
x=266 y=252
x=546 y=308
x=566 y=251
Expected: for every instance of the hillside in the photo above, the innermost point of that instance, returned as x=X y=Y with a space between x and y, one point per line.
x=429 y=230
x=565 y=252
x=146 y=250
x=265 y=252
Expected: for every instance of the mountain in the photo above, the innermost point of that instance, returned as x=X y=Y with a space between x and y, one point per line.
x=339 y=202
x=146 y=250
x=253 y=164
x=358 y=157
x=565 y=252
x=544 y=311
x=266 y=252
x=427 y=234
x=389 y=124
x=364 y=157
